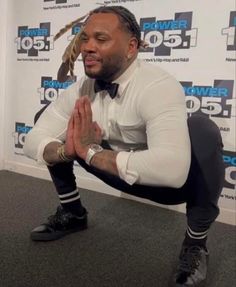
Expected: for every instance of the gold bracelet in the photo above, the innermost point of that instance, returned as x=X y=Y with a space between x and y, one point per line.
x=61 y=154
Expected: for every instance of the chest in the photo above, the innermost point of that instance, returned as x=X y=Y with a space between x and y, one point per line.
x=119 y=119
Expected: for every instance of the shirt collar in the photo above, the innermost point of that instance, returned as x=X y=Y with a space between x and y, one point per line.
x=125 y=78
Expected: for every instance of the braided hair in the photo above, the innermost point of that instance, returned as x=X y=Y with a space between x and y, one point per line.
x=71 y=52
x=128 y=23
x=127 y=19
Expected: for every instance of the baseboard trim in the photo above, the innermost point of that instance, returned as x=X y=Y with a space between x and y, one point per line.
x=90 y=182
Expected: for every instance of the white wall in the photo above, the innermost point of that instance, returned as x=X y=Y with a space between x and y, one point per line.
x=200 y=56
x=3 y=29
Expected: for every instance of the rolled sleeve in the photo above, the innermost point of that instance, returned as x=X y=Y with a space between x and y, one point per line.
x=128 y=176
x=41 y=147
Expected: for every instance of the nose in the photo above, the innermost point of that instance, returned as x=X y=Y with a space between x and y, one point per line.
x=88 y=45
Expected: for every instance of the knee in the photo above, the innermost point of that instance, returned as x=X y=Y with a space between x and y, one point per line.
x=204 y=130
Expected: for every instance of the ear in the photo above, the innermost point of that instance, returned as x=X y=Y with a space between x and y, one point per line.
x=132 y=47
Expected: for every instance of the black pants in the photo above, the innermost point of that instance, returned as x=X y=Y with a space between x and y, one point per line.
x=201 y=190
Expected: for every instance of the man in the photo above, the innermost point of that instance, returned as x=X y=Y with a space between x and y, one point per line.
x=126 y=123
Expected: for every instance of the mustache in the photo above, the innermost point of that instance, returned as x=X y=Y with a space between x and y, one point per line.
x=91 y=57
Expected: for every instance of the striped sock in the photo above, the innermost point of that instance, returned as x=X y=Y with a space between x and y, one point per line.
x=71 y=202
x=195 y=237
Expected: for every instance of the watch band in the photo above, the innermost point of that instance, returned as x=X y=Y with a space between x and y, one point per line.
x=94 y=148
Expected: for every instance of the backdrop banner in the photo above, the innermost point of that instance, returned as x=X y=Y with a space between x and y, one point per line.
x=194 y=40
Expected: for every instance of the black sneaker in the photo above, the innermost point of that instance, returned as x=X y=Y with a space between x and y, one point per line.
x=192 y=269
x=59 y=225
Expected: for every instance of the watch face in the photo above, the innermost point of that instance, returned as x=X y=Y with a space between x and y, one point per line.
x=96 y=147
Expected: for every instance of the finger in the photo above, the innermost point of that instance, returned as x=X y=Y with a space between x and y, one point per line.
x=71 y=122
x=70 y=126
x=97 y=128
x=97 y=132
x=88 y=109
x=77 y=103
x=76 y=120
x=82 y=114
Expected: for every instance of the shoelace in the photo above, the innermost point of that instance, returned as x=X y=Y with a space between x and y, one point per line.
x=59 y=218
x=189 y=259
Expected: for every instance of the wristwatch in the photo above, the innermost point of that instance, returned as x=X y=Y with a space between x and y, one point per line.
x=94 y=148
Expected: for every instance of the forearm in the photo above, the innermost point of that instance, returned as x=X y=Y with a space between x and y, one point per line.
x=106 y=161
x=51 y=126
x=165 y=166
x=51 y=153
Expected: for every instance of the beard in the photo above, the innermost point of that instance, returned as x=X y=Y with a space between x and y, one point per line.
x=109 y=70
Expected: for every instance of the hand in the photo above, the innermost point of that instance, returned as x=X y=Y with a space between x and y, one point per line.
x=86 y=131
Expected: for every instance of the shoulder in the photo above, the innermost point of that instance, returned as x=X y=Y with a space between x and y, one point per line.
x=150 y=70
x=150 y=76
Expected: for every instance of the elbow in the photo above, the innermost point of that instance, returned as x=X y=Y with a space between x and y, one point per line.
x=178 y=173
x=172 y=174
x=178 y=179
x=28 y=146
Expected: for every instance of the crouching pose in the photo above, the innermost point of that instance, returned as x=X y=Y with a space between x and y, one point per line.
x=125 y=122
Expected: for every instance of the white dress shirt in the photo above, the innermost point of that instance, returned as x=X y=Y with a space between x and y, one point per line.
x=146 y=122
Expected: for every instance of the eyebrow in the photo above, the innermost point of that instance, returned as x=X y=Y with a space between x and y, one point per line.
x=98 y=33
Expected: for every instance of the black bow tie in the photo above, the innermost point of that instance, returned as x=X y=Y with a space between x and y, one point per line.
x=111 y=88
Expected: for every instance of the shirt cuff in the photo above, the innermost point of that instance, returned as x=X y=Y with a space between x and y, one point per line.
x=41 y=148
x=128 y=176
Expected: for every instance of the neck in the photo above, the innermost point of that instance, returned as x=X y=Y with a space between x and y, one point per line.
x=117 y=75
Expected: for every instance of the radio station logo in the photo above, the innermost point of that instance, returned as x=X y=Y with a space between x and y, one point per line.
x=50 y=89
x=214 y=101
x=163 y=36
x=229 y=158
x=60 y=4
x=230 y=32
x=31 y=41
x=75 y=30
x=108 y=2
x=56 y=1
x=21 y=129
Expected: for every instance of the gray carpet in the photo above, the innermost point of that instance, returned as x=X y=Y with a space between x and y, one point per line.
x=128 y=244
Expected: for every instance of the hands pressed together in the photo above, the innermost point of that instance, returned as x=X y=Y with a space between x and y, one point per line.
x=81 y=130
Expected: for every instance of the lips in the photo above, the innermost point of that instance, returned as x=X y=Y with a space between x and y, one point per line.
x=90 y=61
